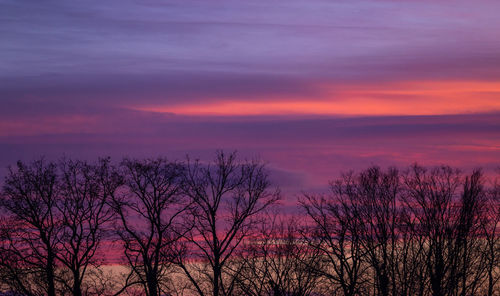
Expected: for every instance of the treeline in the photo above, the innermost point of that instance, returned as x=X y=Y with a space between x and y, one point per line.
x=192 y=228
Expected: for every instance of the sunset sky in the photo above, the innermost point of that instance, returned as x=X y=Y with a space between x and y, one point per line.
x=312 y=87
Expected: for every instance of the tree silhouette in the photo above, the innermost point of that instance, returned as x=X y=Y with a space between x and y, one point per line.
x=194 y=228
x=447 y=219
x=374 y=206
x=84 y=214
x=491 y=229
x=227 y=197
x=334 y=234
x=30 y=237
x=277 y=261
x=148 y=214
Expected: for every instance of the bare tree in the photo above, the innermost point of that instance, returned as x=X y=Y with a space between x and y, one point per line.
x=429 y=196
x=491 y=229
x=278 y=261
x=470 y=242
x=447 y=211
x=30 y=243
x=227 y=197
x=85 y=192
x=374 y=206
x=423 y=233
x=409 y=265
x=149 y=215
x=204 y=229
x=337 y=233
x=15 y=276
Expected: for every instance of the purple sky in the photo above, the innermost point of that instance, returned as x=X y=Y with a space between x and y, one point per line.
x=312 y=87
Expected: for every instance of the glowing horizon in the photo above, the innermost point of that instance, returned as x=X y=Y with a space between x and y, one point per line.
x=413 y=98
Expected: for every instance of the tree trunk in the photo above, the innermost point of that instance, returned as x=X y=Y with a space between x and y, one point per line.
x=51 y=289
x=152 y=284
x=77 y=285
x=217 y=273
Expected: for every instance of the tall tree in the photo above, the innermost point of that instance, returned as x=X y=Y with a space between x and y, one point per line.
x=277 y=261
x=446 y=208
x=227 y=197
x=336 y=234
x=149 y=215
x=29 y=196
x=470 y=243
x=84 y=213
x=491 y=231
x=374 y=206
x=409 y=265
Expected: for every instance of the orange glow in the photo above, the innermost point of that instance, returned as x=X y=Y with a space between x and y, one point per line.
x=409 y=98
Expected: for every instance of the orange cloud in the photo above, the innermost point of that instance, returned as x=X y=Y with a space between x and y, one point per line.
x=409 y=98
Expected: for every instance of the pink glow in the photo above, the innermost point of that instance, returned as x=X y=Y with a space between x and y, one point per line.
x=408 y=98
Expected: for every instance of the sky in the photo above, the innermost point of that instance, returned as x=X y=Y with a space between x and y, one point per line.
x=312 y=87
